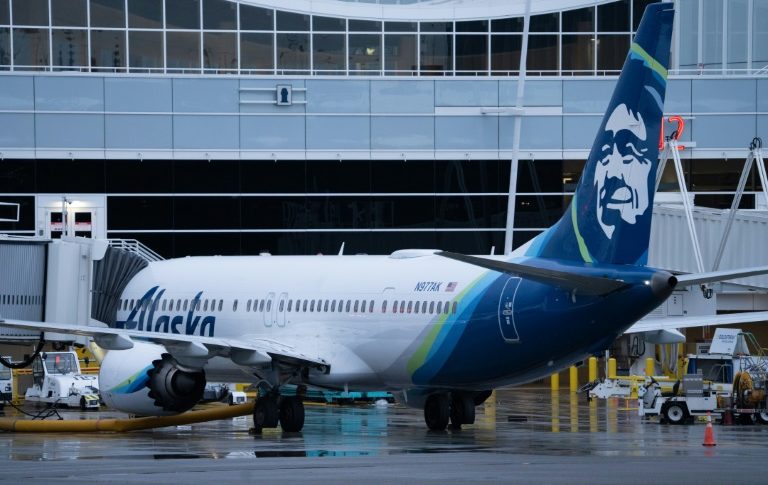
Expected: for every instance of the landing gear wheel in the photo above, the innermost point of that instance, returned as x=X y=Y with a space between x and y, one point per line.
x=462 y=410
x=437 y=412
x=264 y=414
x=762 y=417
x=292 y=414
x=83 y=405
x=676 y=413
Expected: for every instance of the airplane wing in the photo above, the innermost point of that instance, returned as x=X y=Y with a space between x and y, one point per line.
x=247 y=351
x=713 y=276
x=671 y=323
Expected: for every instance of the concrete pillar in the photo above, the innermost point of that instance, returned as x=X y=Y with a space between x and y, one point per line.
x=554 y=382
x=592 y=369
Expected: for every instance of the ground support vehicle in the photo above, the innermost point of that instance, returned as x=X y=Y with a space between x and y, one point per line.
x=698 y=399
x=58 y=381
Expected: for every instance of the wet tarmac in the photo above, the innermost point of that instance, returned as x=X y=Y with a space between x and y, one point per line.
x=528 y=435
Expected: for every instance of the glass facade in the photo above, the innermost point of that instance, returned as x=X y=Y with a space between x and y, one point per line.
x=225 y=36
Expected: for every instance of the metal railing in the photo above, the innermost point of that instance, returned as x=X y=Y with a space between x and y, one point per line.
x=136 y=247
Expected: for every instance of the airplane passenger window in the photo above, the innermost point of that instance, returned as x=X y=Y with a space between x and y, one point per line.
x=178 y=305
x=282 y=305
x=431 y=307
x=447 y=307
x=186 y=302
x=197 y=305
x=370 y=307
x=165 y=304
x=333 y=305
x=325 y=306
x=439 y=308
x=416 y=307
x=312 y=306
x=205 y=306
x=304 y=306
x=341 y=306
x=290 y=304
x=261 y=305
x=384 y=306
x=454 y=307
x=349 y=303
x=269 y=305
x=248 y=306
x=155 y=303
x=424 y=307
x=234 y=306
x=357 y=304
x=394 y=307
x=410 y=306
x=221 y=304
x=402 y=306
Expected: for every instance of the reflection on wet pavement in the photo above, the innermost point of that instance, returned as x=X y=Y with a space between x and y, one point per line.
x=559 y=424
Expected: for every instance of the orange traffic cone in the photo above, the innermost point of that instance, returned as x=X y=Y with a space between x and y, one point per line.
x=709 y=433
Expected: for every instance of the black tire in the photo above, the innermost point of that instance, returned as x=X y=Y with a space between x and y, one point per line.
x=762 y=417
x=462 y=410
x=83 y=406
x=437 y=412
x=264 y=414
x=292 y=414
x=676 y=413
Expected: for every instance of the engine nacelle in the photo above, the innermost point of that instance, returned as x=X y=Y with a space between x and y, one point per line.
x=147 y=381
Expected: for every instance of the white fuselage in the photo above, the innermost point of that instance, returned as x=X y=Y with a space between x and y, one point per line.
x=345 y=306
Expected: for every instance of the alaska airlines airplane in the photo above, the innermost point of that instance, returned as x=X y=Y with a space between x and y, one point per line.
x=439 y=329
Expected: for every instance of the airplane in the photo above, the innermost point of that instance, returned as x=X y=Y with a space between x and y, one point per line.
x=440 y=330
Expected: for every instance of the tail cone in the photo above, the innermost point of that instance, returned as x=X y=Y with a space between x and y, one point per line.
x=709 y=433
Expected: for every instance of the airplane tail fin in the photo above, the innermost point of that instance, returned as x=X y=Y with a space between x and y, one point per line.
x=609 y=218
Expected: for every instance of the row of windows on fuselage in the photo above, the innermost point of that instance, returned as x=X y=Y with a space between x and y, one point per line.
x=21 y=300
x=298 y=305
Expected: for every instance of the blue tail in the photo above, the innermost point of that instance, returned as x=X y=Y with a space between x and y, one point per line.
x=609 y=219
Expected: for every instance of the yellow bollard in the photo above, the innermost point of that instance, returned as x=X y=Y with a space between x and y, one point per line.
x=592 y=369
x=611 y=368
x=555 y=382
x=650 y=366
x=573 y=380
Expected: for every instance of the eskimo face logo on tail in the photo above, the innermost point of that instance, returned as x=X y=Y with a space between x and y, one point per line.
x=621 y=175
x=185 y=322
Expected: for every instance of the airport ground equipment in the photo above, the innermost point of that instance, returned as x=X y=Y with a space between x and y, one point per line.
x=6 y=385
x=58 y=381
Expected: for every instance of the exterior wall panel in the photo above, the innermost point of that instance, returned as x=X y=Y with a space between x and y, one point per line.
x=537 y=92
x=324 y=96
x=272 y=133
x=723 y=95
x=17 y=93
x=139 y=131
x=537 y=133
x=206 y=96
x=466 y=93
x=466 y=133
x=17 y=130
x=587 y=96
x=69 y=93
x=138 y=95
x=200 y=132
x=69 y=131
x=723 y=131
x=405 y=96
x=579 y=131
x=338 y=133
x=402 y=133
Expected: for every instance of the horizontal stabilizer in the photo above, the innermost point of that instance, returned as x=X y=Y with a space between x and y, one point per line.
x=585 y=285
x=713 y=276
x=670 y=323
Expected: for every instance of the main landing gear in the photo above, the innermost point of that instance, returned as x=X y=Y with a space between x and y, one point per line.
x=272 y=408
x=457 y=406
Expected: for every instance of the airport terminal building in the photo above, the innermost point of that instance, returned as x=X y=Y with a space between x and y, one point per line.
x=293 y=126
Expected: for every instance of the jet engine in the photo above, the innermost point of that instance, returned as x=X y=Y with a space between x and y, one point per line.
x=146 y=380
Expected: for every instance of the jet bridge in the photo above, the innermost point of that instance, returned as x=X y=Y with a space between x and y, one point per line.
x=67 y=280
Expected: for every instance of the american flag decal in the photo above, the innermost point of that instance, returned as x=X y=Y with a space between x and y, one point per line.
x=451 y=286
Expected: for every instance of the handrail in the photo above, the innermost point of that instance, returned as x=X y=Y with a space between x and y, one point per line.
x=137 y=247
